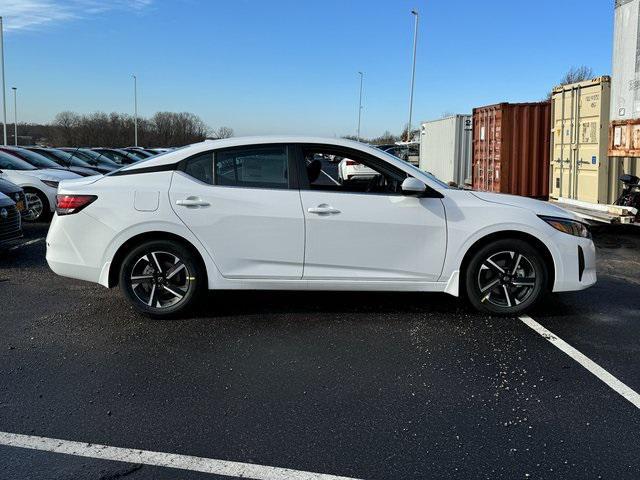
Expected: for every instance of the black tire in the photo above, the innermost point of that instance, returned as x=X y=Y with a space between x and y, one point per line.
x=506 y=277
x=154 y=291
x=44 y=213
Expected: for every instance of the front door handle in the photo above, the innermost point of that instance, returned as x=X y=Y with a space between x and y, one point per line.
x=323 y=209
x=192 y=202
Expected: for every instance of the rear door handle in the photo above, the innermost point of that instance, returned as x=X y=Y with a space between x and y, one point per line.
x=192 y=202
x=323 y=209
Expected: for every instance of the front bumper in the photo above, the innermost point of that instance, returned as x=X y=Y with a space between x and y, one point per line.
x=575 y=263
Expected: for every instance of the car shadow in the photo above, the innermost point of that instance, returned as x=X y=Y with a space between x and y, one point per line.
x=248 y=302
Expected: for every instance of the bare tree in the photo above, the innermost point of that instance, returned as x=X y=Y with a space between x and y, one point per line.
x=577 y=74
x=574 y=75
x=222 y=132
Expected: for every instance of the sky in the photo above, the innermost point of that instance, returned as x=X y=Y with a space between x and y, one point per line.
x=291 y=67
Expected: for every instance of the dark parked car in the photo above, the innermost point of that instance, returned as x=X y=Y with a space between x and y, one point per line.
x=10 y=221
x=95 y=160
x=140 y=152
x=39 y=160
x=15 y=193
x=64 y=160
x=118 y=155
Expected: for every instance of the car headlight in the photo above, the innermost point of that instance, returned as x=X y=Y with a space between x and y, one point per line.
x=565 y=225
x=51 y=183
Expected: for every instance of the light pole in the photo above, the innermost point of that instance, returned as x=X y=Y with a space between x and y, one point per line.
x=413 y=71
x=4 y=98
x=135 y=110
x=15 y=115
x=360 y=106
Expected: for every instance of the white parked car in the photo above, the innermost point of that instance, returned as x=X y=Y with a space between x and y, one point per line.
x=39 y=185
x=349 y=170
x=255 y=213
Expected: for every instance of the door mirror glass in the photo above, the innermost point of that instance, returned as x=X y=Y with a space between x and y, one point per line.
x=413 y=186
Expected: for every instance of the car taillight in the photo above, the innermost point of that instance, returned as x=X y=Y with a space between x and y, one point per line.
x=351 y=162
x=68 y=204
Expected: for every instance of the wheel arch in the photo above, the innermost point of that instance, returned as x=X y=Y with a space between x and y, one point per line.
x=134 y=241
x=511 y=234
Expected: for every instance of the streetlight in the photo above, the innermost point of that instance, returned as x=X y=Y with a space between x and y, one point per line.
x=413 y=71
x=4 y=98
x=15 y=115
x=360 y=106
x=135 y=110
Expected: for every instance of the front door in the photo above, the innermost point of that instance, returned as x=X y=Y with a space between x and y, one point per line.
x=361 y=227
x=239 y=204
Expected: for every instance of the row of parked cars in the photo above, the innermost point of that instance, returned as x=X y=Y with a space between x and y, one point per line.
x=29 y=178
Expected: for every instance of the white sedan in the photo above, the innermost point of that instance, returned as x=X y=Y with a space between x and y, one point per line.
x=351 y=171
x=255 y=213
x=39 y=185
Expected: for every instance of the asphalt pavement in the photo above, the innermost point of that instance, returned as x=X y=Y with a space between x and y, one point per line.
x=363 y=385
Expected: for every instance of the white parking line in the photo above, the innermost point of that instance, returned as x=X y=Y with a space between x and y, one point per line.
x=587 y=363
x=160 y=459
x=30 y=242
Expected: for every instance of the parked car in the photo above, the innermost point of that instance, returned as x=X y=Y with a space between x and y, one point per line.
x=40 y=185
x=171 y=227
x=15 y=193
x=409 y=152
x=94 y=160
x=119 y=156
x=139 y=152
x=47 y=160
x=10 y=221
x=352 y=171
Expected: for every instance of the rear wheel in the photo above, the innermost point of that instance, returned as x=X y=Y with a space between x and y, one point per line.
x=506 y=277
x=161 y=278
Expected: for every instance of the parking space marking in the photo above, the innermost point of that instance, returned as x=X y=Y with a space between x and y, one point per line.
x=30 y=242
x=583 y=360
x=160 y=459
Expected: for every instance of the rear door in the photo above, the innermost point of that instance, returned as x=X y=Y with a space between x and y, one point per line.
x=365 y=228
x=243 y=206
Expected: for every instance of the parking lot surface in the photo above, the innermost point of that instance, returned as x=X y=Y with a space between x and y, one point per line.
x=362 y=385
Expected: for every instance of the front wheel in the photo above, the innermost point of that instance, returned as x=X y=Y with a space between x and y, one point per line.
x=161 y=278
x=506 y=277
x=37 y=205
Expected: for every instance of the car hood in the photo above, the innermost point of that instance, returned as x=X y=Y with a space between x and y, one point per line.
x=536 y=206
x=5 y=201
x=8 y=187
x=79 y=182
x=50 y=174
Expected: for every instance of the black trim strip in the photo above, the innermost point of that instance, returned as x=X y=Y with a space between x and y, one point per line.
x=135 y=171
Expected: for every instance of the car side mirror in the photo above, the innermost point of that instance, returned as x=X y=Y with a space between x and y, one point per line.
x=413 y=186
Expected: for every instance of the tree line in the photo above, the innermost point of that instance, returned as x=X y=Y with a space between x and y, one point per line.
x=163 y=129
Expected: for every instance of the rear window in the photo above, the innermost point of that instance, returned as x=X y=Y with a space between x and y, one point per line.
x=265 y=167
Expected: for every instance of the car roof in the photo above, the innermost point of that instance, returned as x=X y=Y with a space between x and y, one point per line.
x=174 y=156
x=209 y=144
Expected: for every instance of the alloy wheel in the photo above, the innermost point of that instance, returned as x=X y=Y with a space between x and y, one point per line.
x=35 y=206
x=160 y=279
x=506 y=279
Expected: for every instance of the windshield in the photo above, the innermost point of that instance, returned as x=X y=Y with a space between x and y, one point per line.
x=34 y=158
x=77 y=158
x=416 y=169
x=9 y=162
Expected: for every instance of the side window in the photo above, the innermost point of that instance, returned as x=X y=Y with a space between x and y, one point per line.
x=345 y=171
x=262 y=167
x=200 y=167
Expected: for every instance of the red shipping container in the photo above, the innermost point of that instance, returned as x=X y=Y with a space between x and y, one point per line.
x=511 y=144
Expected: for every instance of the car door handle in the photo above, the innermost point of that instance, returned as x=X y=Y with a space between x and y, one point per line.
x=323 y=209
x=192 y=202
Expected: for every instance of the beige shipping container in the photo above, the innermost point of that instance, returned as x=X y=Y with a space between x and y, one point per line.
x=579 y=142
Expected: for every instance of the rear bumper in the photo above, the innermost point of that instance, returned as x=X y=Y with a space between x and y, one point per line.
x=75 y=245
